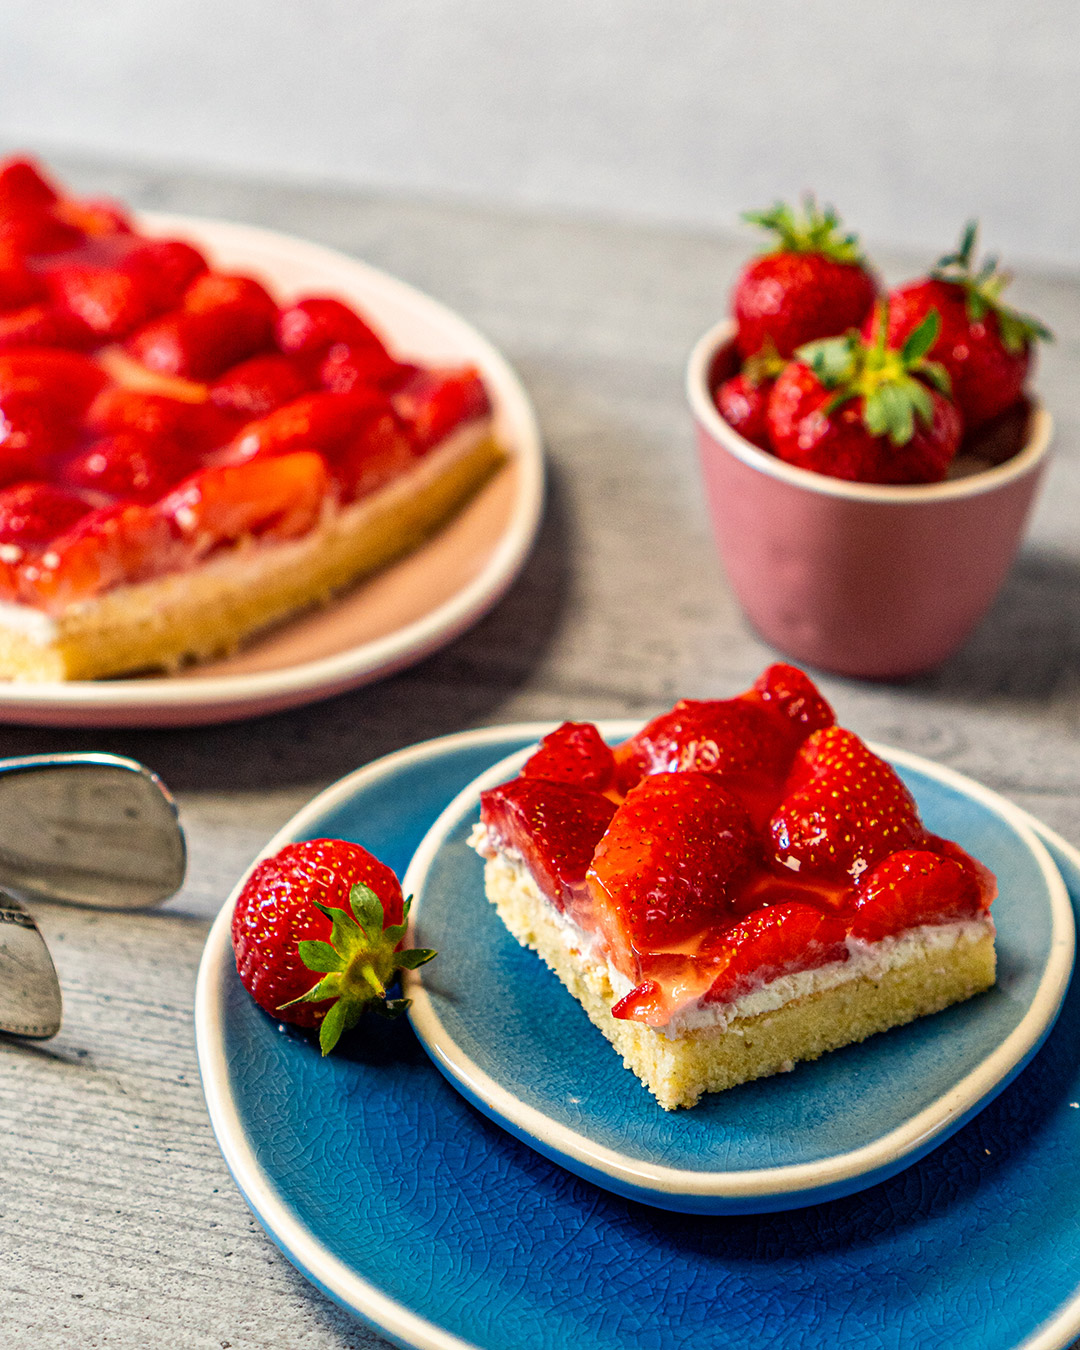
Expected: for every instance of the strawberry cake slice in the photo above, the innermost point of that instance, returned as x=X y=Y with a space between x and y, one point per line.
x=183 y=460
x=740 y=886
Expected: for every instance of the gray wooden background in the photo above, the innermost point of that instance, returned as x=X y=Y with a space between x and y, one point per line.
x=119 y=1223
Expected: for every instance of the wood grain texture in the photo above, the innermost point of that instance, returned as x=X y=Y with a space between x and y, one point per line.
x=121 y=1226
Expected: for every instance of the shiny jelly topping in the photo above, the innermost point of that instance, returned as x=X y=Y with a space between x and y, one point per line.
x=727 y=843
x=154 y=409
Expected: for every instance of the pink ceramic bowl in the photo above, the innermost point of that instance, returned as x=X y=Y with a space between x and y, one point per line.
x=855 y=578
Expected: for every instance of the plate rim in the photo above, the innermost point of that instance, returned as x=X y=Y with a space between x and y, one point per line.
x=914 y=1136
x=366 y=661
x=299 y=1244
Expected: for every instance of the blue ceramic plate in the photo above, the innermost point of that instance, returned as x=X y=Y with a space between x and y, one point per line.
x=408 y=1206
x=502 y=1028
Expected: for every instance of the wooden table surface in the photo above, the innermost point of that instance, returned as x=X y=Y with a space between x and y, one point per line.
x=120 y=1224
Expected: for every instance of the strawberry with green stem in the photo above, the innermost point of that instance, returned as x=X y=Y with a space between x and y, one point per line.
x=814 y=283
x=743 y=400
x=317 y=931
x=865 y=411
x=985 y=346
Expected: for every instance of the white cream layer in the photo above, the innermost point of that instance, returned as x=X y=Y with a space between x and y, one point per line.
x=870 y=959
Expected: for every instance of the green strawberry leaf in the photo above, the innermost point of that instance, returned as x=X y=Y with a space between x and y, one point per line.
x=320 y=956
x=332 y=1025
x=414 y=957
x=921 y=339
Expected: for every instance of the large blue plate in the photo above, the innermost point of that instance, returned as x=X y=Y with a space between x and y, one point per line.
x=405 y=1204
x=503 y=1029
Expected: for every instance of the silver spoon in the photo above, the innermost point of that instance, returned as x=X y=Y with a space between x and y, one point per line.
x=90 y=830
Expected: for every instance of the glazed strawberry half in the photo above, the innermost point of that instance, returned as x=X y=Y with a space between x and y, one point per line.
x=866 y=411
x=815 y=282
x=318 y=932
x=985 y=346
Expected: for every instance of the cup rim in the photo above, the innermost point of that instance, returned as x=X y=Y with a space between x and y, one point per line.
x=987 y=480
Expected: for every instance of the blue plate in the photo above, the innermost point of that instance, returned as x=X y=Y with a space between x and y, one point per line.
x=502 y=1028
x=407 y=1205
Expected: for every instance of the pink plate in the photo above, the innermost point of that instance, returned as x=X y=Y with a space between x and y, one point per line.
x=398 y=616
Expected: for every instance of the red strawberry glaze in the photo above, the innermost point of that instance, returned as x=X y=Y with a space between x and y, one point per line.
x=135 y=381
x=692 y=893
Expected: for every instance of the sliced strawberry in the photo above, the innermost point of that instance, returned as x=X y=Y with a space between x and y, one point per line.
x=118 y=409
x=130 y=465
x=66 y=381
x=96 y=217
x=377 y=451
x=212 y=291
x=792 y=695
x=19 y=286
x=670 y=865
x=109 y=300
x=910 y=888
x=281 y=496
x=166 y=266
x=257 y=386
x=23 y=185
x=843 y=810
x=344 y=369
x=777 y=940
x=573 y=753
x=31 y=434
x=435 y=402
x=32 y=514
x=315 y=421
x=44 y=325
x=553 y=827
x=319 y=322
x=126 y=542
x=198 y=345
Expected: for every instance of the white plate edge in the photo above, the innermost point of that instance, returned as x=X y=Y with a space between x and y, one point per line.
x=383 y=655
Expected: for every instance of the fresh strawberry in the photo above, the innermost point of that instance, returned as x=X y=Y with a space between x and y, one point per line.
x=167 y=267
x=777 y=940
x=814 y=284
x=125 y=542
x=315 y=324
x=377 y=450
x=65 y=381
x=211 y=292
x=670 y=864
x=130 y=410
x=435 y=402
x=910 y=888
x=259 y=385
x=31 y=434
x=282 y=497
x=742 y=401
x=322 y=907
x=985 y=346
x=32 y=514
x=37 y=231
x=553 y=827
x=868 y=413
x=345 y=369
x=23 y=186
x=44 y=325
x=109 y=300
x=791 y=695
x=573 y=753
x=318 y=421
x=129 y=465
x=843 y=809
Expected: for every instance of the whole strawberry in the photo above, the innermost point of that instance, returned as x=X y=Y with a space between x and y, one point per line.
x=322 y=908
x=814 y=284
x=985 y=346
x=867 y=412
x=743 y=401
